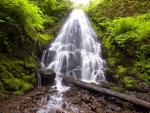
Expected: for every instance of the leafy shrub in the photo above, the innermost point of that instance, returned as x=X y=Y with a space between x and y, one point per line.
x=120 y=8
x=26 y=87
x=44 y=38
x=123 y=25
x=23 y=13
x=121 y=70
x=13 y=84
x=124 y=29
x=129 y=83
x=56 y=9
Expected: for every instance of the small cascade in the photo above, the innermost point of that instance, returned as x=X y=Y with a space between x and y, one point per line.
x=39 y=79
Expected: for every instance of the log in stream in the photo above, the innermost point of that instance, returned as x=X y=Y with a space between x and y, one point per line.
x=92 y=87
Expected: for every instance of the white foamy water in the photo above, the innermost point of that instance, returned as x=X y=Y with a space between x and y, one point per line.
x=75 y=52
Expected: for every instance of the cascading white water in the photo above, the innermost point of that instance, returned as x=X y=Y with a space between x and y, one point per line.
x=75 y=52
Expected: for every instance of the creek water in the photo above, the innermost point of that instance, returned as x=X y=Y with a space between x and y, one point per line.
x=76 y=52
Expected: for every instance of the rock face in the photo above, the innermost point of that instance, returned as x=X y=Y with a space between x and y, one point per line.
x=47 y=76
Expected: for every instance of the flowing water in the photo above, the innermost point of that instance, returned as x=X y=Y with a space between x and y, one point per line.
x=76 y=52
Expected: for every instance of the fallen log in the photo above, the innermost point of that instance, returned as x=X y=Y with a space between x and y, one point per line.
x=99 y=89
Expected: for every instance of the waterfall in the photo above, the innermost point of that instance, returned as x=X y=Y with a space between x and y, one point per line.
x=75 y=52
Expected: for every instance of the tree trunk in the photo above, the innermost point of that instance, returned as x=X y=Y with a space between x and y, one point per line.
x=99 y=89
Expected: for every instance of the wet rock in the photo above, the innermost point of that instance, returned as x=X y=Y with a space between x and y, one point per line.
x=86 y=99
x=99 y=110
x=57 y=110
x=93 y=108
x=1 y=110
x=142 y=87
x=113 y=107
x=47 y=76
x=108 y=111
x=96 y=103
x=109 y=76
x=63 y=105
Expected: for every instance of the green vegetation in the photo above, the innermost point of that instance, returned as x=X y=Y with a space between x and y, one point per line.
x=23 y=31
x=124 y=28
x=129 y=83
x=28 y=25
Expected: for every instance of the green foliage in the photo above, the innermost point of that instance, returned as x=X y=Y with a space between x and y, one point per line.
x=142 y=70
x=44 y=38
x=120 y=8
x=56 y=9
x=22 y=34
x=129 y=83
x=26 y=87
x=111 y=61
x=124 y=29
x=126 y=42
x=23 y=13
x=127 y=34
x=123 y=25
x=121 y=70
x=13 y=84
x=17 y=75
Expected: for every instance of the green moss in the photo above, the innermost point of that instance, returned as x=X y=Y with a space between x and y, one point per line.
x=129 y=83
x=26 y=87
x=121 y=70
x=111 y=61
x=17 y=85
x=1 y=86
x=18 y=93
x=13 y=84
x=17 y=75
x=29 y=78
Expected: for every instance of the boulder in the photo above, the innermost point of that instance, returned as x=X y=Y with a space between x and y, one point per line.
x=47 y=76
